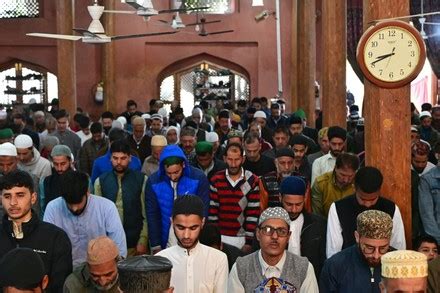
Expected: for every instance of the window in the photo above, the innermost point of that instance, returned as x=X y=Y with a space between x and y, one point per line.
x=19 y=8
x=216 y=6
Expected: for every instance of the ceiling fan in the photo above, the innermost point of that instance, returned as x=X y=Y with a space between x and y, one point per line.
x=147 y=10
x=95 y=33
x=204 y=33
x=177 y=23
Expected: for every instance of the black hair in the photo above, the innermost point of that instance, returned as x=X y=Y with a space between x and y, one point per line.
x=256 y=100
x=234 y=145
x=295 y=120
x=17 y=178
x=210 y=235
x=83 y=121
x=131 y=103
x=275 y=106
x=19 y=116
x=347 y=160
x=424 y=238
x=242 y=103
x=120 y=146
x=107 y=114
x=368 y=179
x=74 y=186
x=152 y=102
x=337 y=131
x=263 y=100
x=116 y=134
x=96 y=127
x=426 y=107
x=281 y=129
x=299 y=139
x=61 y=114
x=223 y=114
x=188 y=204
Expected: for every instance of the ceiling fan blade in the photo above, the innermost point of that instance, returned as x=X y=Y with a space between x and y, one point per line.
x=85 y=32
x=163 y=21
x=433 y=23
x=55 y=36
x=183 y=9
x=120 y=11
x=220 y=32
x=407 y=16
x=206 y=22
x=141 y=35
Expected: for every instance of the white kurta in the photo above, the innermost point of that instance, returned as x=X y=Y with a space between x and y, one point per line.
x=334 y=232
x=310 y=285
x=322 y=165
x=295 y=235
x=202 y=270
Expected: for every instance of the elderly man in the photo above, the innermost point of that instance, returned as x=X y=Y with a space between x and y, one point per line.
x=188 y=140
x=404 y=271
x=192 y=260
x=151 y=163
x=357 y=268
x=100 y=271
x=29 y=157
x=21 y=271
x=272 y=267
x=84 y=216
x=139 y=141
x=50 y=187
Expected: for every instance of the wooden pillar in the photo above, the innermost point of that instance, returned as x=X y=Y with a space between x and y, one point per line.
x=66 y=60
x=434 y=89
x=108 y=60
x=387 y=123
x=307 y=58
x=294 y=59
x=334 y=51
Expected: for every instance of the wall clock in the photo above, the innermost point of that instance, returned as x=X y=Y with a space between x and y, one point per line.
x=391 y=53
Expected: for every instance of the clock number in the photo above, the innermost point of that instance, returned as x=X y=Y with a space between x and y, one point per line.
x=409 y=64
x=410 y=43
x=370 y=54
x=381 y=36
x=392 y=33
x=391 y=75
x=373 y=65
x=401 y=36
x=402 y=72
x=380 y=71
x=374 y=44
x=412 y=53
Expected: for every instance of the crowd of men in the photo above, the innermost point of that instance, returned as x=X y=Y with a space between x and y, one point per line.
x=238 y=199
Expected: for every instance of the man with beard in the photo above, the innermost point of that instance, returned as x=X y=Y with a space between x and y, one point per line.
x=196 y=268
x=337 y=137
x=84 y=216
x=50 y=187
x=174 y=178
x=427 y=132
x=307 y=231
x=151 y=163
x=89 y=151
x=188 y=140
x=107 y=120
x=22 y=228
x=334 y=185
x=419 y=158
x=254 y=161
x=139 y=141
x=272 y=268
x=235 y=200
x=342 y=213
x=100 y=272
x=357 y=268
x=126 y=188
x=323 y=145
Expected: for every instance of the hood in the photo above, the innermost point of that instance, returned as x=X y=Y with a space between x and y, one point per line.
x=172 y=151
x=35 y=159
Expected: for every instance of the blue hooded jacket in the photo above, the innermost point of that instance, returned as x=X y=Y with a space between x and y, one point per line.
x=159 y=195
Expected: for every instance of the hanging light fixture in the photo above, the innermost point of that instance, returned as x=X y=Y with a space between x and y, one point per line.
x=257 y=2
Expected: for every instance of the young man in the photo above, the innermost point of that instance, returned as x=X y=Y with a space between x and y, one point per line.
x=196 y=268
x=404 y=271
x=427 y=245
x=22 y=228
x=64 y=134
x=84 y=216
x=272 y=267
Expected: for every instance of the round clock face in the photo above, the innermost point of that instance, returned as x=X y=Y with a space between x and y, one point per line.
x=391 y=54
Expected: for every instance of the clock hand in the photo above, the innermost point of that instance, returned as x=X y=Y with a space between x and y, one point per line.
x=392 y=52
x=382 y=57
x=386 y=55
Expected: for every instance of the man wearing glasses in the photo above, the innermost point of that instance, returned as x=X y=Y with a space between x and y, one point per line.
x=342 y=214
x=357 y=268
x=272 y=268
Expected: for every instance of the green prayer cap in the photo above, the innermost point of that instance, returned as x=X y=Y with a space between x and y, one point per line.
x=300 y=113
x=203 y=147
x=6 y=133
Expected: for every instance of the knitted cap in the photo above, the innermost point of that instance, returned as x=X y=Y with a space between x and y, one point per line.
x=424 y=114
x=293 y=185
x=101 y=250
x=61 y=150
x=404 y=264
x=23 y=141
x=158 y=140
x=274 y=213
x=374 y=224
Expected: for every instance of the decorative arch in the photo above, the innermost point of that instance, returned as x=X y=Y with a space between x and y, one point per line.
x=32 y=66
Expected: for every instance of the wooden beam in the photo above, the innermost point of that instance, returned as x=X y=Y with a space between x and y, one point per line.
x=334 y=50
x=307 y=58
x=108 y=60
x=66 y=60
x=294 y=58
x=387 y=123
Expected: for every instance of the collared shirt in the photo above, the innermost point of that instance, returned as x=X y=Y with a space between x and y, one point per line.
x=100 y=217
x=322 y=165
x=295 y=237
x=232 y=181
x=271 y=271
x=201 y=270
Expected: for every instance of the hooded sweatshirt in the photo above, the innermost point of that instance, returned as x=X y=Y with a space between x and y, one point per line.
x=159 y=195
x=38 y=166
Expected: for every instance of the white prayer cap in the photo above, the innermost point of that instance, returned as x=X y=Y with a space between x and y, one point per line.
x=425 y=114
x=23 y=141
x=122 y=120
x=146 y=116
x=8 y=149
x=260 y=114
x=404 y=264
x=212 y=137
x=117 y=124
x=163 y=112
x=3 y=114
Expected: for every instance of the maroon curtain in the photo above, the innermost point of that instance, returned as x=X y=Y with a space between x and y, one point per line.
x=432 y=43
x=354 y=33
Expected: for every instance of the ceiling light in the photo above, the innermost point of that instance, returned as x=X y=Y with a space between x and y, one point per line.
x=257 y=3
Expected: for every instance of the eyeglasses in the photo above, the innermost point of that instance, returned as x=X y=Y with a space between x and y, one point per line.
x=371 y=249
x=269 y=230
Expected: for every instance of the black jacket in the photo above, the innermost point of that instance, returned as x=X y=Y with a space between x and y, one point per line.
x=49 y=241
x=313 y=240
